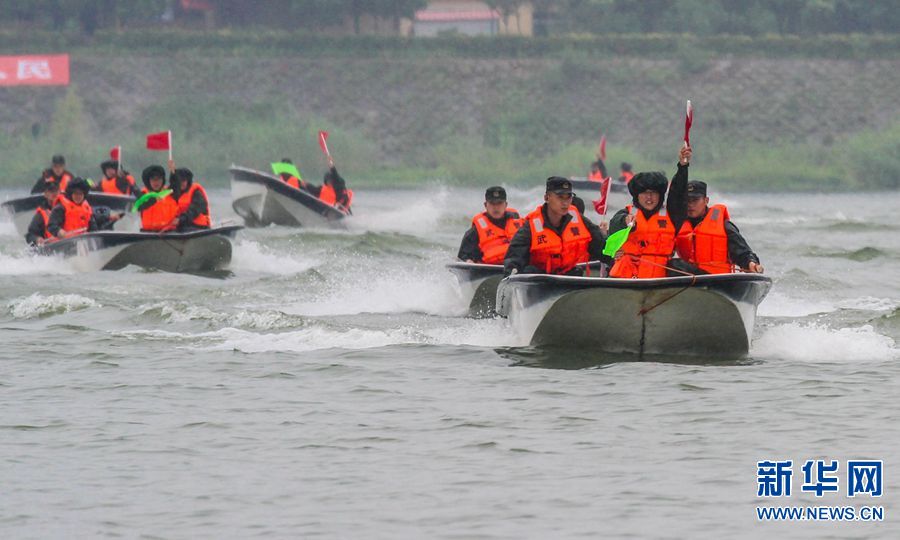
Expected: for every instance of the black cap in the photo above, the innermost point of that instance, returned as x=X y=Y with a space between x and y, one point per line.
x=77 y=184
x=109 y=164
x=495 y=194
x=625 y=166
x=696 y=189
x=559 y=185
x=151 y=172
x=58 y=159
x=51 y=186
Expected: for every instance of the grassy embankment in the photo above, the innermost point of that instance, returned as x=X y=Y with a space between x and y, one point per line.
x=516 y=144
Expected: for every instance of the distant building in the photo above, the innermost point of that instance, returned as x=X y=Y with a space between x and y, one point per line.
x=469 y=17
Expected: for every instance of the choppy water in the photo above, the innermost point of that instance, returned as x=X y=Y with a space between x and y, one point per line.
x=331 y=388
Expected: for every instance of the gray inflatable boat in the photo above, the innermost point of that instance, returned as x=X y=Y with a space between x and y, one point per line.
x=689 y=315
x=263 y=199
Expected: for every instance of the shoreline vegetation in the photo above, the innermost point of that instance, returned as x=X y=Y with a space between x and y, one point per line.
x=519 y=132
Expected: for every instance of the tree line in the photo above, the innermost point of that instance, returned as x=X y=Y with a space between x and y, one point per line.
x=552 y=17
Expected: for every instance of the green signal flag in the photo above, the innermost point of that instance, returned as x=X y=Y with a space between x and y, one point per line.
x=289 y=168
x=615 y=241
x=149 y=195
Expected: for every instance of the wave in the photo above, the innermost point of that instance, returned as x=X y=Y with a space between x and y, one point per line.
x=778 y=304
x=815 y=342
x=26 y=263
x=862 y=254
x=38 y=305
x=180 y=312
x=250 y=256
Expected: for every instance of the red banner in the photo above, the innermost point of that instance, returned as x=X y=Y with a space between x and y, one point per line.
x=158 y=141
x=47 y=70
x=323 y=142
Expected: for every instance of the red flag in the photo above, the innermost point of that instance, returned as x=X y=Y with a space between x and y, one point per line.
x=603 y=147
x=688 y=120
x=114 y=153
x=601 y=203
x=323 y=137
x=159 y=141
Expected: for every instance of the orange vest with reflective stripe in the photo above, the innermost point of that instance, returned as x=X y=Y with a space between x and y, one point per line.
x=555 y=254
x=78 y=216
x=184 y=202
x=706 y=245
x=648 y=249
x=492 y=240
x=160 y=214
x=108 y=185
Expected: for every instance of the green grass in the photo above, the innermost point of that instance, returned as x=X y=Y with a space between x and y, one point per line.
x=210 y=135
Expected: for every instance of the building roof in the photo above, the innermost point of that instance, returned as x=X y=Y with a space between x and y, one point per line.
x=454 y=16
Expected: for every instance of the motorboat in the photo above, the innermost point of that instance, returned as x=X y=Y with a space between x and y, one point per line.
x=22 y=210
x=264 y=199
x=685 y=315
x=202 y=250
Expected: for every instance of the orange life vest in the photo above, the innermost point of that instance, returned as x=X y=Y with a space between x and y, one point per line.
x=492 y=240
x=627 y=176
x=291 y=180
x=706 y=245
x=595 y=176
x=78 y=216
x=109 y=185
x=45 y=215
x=160 y=214
x=555 y=254
x=327 y=194
x=184 y=202
x=648 y=249
x=63 y=180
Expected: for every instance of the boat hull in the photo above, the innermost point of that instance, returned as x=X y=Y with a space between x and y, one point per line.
x=263 y=199
x=21 y=210
x=699 y=315
x=196 y=251
x=582 y=184
x=478 y=285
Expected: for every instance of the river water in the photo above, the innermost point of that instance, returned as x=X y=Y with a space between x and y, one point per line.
x=331 y=387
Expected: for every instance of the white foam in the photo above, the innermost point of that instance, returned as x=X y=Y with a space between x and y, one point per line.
x=430 y=290
x=488 y=333
x=870 y=303
x=818 y=343
x=780 y=305
x=265 y=320
x=29 y=264
x=416 y=216
x=38 y=305
x=8 y=228
x=253 y=257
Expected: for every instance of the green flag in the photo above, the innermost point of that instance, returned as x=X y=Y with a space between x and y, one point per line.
x=615 y=241
x=149 y=195
x=280 y=167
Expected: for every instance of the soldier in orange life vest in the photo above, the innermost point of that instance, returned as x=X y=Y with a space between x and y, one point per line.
x=555 y=236
x=709 y=241
x=57 y=174
x=488 y=238
x=651 y=242
x=37 y=229
x=157 y=212
x=598 y=171
x=626 y=174
x=193 y=204
x=116 y=182
x=72 y=214
x=292 y=180
x=334 y=190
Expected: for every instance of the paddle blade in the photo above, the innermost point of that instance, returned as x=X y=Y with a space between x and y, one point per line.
x=615 y=242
